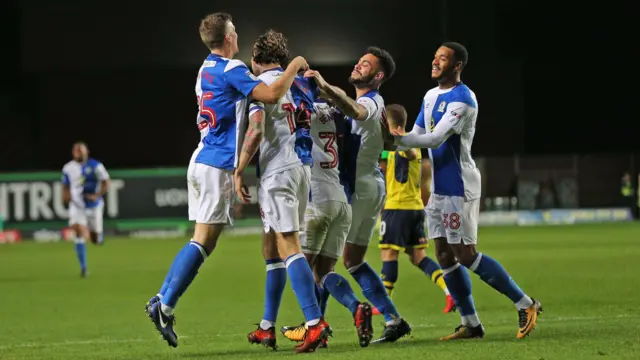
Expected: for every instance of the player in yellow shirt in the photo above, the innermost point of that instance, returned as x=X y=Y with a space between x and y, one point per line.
x=403 y=217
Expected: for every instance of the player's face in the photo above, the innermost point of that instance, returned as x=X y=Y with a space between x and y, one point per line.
x=443 y=63
x=255 y=68
x=365 y=71
x=232 y=36
x=80 y=153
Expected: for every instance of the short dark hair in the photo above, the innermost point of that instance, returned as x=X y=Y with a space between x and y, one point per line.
x=459 y=51
x=271 y=48
x=80 y=143
x=397 y=115
x=213 y=29
x=386 y=61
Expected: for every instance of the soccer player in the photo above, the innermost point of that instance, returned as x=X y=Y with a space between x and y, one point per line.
x=222 y=88
x=403 y=217
x=369 y=126
x=84 y=183
x=283 y=191
x=446 y=125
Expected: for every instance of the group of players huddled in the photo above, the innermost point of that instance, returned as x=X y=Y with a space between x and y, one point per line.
x=321 y=187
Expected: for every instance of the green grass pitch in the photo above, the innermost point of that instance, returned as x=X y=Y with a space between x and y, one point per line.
x=587 y=278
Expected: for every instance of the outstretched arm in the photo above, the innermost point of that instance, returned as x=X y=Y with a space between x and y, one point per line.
x=252 y=137
x=450 y=123
x=347 y=105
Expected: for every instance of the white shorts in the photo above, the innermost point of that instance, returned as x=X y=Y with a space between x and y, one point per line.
x=90 y=217
x=210 y=192
x=283 y=198
x=453 y=218
x=327 y=227
x=366 y=205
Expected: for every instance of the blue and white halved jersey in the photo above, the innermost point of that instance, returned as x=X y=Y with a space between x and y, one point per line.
x=222 y=88
x=454 y=172
x=83 y=179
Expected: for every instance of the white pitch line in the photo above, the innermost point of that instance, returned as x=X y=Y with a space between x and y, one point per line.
x=418 y=326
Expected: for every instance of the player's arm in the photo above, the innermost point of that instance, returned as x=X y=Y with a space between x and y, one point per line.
x=250 y=145
x=450 y=123
x=411 y=154
x=418 y=128
x=270 y=94
x=66 y=193
x=425 y=173
x=350 y=107
x=103 y=176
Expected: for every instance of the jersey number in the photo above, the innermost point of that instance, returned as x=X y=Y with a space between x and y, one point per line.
x=207 y=111
x=289 y=109
x=451 y=221
x=329 y=148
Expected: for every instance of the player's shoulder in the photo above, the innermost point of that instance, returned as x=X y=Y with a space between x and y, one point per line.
x=463 y=94
x=69 y=166
x=432 y=91
x=373 y=97
x=269 y=77
x=91 y=162
x=231 y=64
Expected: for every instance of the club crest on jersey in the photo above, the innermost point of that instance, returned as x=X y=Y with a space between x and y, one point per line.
x=432 y=124
x=442 y=106
x=87 y=171
x=253 y=77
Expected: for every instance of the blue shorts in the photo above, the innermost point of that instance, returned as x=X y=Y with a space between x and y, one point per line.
x=401 y=229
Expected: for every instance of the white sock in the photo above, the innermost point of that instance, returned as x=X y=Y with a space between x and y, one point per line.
x=266 y=324
x=524 y=303
x=160 y=296
x=446 y=291
x=167 y=310
x=470 y=320
x=312 y=323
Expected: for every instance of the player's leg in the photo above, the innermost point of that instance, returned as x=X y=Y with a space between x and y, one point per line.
x=455 y=276
x=275 y=284
x=214 y=193
x=463 y=229
x=94 y=221
x=415 y=249
x=391 y=243
x=78 y=222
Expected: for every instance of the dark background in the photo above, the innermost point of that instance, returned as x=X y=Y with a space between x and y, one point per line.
x=550 y=77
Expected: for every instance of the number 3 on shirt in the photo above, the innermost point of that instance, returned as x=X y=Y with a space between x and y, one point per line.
x=207 y=112
x=330 y=149
x=289 y=109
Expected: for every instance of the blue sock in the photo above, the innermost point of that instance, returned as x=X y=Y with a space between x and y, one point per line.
x=374 y=291
x=167 y=279
x=491 y=272
x=323 y=298
x=193 y=255
x=81 y=252
x=303 y=286
x=389 y=275
x=459 y=285
x=339 y=288
x=276 y=280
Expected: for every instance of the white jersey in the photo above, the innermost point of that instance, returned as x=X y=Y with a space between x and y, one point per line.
x=277 y=150
x=370 y=133
x=325 y=176
x=83 y=179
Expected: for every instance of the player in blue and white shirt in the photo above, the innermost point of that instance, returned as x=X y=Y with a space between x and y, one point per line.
x=84 y=182
x=454 y=205
x=370 y=126
x=222 y=88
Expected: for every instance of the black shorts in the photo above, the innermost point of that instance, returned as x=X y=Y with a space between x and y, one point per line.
x=401 y=229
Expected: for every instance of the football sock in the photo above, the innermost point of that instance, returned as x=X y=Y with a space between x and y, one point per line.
x=459 y=285
x=389 y=275
x=100 y=238
x=323 y=298
x=276 y=281
x=81 y=252
x=433 y=270
x=491 y=272
x=374 y=291
x=303 y=286
x=339 y=288
x=193 y=255
x=167 y=278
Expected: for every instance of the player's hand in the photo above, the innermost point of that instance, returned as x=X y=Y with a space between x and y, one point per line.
x=300 y=63
x=322 y=84
x=91 y=197
x=241 y=189
x=399 y=131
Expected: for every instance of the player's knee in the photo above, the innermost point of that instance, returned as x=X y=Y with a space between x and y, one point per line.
x=416 y=256
x=269 y=246
x=466 y=254
x=353 y=255
x=389 y=255
x=446 y=257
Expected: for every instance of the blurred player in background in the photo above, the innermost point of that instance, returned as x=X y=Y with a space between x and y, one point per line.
x=84 y=183
x=222 y=88
x=451 y=110
x=282 y=194
x=403 y=217
x=369 y=125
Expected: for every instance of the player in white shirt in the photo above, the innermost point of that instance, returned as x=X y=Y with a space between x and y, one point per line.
x=283 y=193
x=84 y=183
x=454 y=205
x=223 y=86
x=369 y=125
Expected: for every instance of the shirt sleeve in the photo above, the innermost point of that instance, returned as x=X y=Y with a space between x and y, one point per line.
x=255 y=107
x=101 y=172
x=65 y=179
x=242 y=79
x=452 y=122
x=420 y=119
x=369 y=104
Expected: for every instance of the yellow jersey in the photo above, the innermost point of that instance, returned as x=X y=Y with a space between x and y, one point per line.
x=403 y=181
